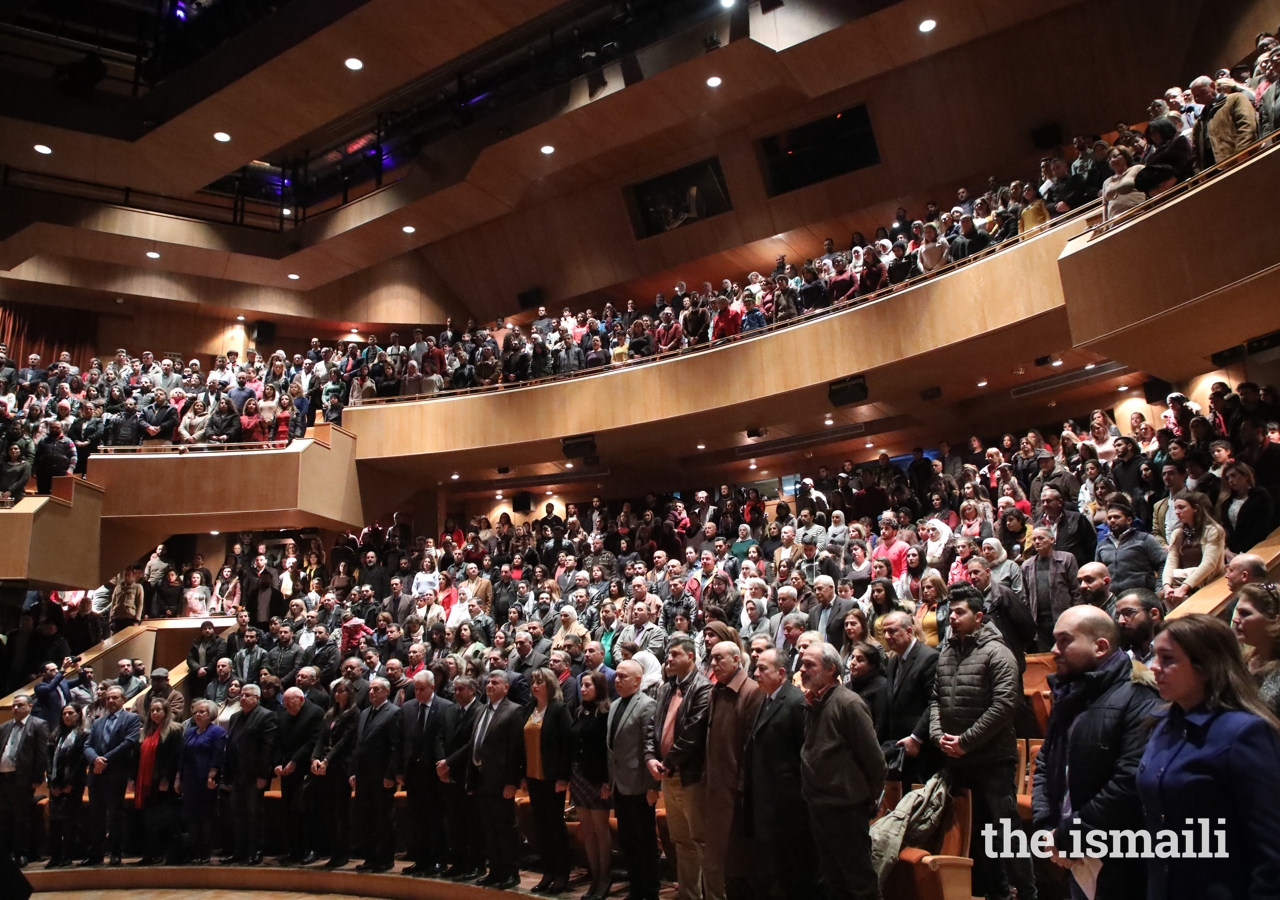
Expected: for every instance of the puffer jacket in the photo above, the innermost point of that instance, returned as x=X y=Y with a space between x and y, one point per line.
x=976 y=695
x=1134 y=560
x=841 y=764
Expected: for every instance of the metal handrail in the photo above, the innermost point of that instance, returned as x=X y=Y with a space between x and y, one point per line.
x=771 y=328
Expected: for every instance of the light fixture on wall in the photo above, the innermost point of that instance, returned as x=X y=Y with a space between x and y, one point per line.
x=927 y=25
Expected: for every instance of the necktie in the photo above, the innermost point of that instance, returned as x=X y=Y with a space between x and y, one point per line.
x=669 y=724
x=418 y=733
x=108 y=729
x=481 y=733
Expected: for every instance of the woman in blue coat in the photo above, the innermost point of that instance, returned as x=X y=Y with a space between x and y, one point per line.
x=1213 y=758
x=199 y=767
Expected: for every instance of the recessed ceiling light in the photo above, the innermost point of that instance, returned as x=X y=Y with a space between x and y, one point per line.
x=828 y=421
x=752 y=466
x=1053 y=403
x=1090 y=365
x=43 y=149
x=870 y=445
x=714 y=81
x=286 y=211
x=151 y=254
x=1056 y=362
x=214 y=533
x=702 y=446
x=408 y=229
x=764 y=471
x=454 y=476
x=239 y=318
x=354 y=64
x=928 y=25
x=1123 y=387
x=727 y=4
x=498 y=496
x=355 y=330
x=548 y=493
x=547 y=149
x=982 y=383
x=568 y=465
x=221 y=137
x=293 y=277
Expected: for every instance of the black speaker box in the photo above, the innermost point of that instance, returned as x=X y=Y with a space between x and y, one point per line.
x=530 y=299
x=262 y=333
x=578 y=446
x=1047 y=136
x=522 y=502
x=847 y=391
x=1156 y=391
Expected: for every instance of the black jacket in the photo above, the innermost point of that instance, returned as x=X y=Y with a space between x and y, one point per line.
x=1012 y=617
x=500 y=754
x=333 y=746
x=215 y=650
x=1093 y=744
x=688 y=753
x=419 y=756
x=874 y=691
x=772 y=803
x=909 y=694
x=376 y=754
x=554 y=741
x=296 y=736
x=588 y=747
x=251 y=741
x=1077 y=536
x=33 y=754
x=1253 y=522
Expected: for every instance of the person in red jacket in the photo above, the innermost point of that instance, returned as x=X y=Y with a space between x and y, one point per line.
x=728 y=321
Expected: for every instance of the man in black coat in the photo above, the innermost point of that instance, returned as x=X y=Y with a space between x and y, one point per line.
x=826 y=615
x=374 y=575
x=1085 y=774
x=462 y=811
x=910 y=673
x=323 y=656
x=493 y=763
x=775 y=812
x=298 y=724
x=1005 y=609
x=422 y=746
x=250 y=758
x=203 y=657
x=1073 y=532
x=24 y=743
x=260 y=591
x=374 y=761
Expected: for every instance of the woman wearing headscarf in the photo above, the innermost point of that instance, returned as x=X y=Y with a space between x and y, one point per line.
x=939 y=550
x=838 y=537
x=1003 y=570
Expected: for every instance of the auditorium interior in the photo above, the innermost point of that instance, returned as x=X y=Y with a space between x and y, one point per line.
x=342 y=187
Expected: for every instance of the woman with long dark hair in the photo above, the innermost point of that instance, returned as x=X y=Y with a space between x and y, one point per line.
x=1196 y=548
x=547 y=773
x=1246 y=508
x=67 y=772
x=154 y=791
x=589 y=780
x=1211 y=759
x=1256 y=623
x=329 y=763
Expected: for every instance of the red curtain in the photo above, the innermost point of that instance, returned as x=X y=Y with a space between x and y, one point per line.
x=48 y=331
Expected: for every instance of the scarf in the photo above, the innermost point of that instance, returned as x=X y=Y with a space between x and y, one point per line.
x=934 y=549
x=146 y=765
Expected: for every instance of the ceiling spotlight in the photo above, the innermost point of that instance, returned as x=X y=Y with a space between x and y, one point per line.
x=293 y=277
x=239 y=318
x=548 y=493
x=727 y=4
x=870 y=445
x=498 y=496
x=1123 y=387
x=354 y=64
x=982 y=383
x=355 y=330
x=829 y=422
x=547 y=149
x=221 y=137
x=43 y=149
x=1053 y=403
x=714 y=81
x=752 y=466
x=286 y=211
x=408 y=229
x=214 y=533
x=928 y=25
x=1090 y=365
x=568 y=465
x=454 y=476
x=702 y=446
x=1056 y=362
x=151 y=254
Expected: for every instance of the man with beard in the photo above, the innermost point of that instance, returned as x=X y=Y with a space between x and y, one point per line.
x=1138 y=613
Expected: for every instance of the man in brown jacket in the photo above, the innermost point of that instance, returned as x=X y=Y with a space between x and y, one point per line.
x=842 y=771
x=735 y=703
x=1227 y=125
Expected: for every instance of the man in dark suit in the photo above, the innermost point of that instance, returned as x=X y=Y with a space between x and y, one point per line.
x=203 y=656
x=593 y=657
x=493 y=763
x=518 y=689
x=462 y=810
x=827 y=614
x=111 y=752
x=630 y=781
x=774 y=811
x=24 y=743
x=526 y=659
x=1073 y=533
x=910 y=673
x=422 y=746
x=251 y=739
x=298 y=724
x=260 y=591
x=374 y=761
x=323 y=655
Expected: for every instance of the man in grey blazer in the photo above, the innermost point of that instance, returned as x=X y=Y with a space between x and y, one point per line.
x=634 y=789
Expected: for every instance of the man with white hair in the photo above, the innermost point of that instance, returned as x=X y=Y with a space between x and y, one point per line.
x=298 y=725
x=827 y=616
x=422 y=744
x=248 y=765
x=631 y=782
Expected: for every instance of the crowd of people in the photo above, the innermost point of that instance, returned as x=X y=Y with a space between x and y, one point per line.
x=759 y=668
x=774 y=660
x=66 y=413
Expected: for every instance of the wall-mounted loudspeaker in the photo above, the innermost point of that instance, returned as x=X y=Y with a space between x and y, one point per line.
x=578 y=446
x=530 y=299
x=848 y=391
x=1156 y=391
x=263 y=333
x=522 y=502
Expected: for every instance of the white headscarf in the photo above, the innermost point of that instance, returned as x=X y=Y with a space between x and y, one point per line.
x=934 y=549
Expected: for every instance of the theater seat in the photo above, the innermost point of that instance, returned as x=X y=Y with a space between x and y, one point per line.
x=942 y=875
x=1024 y=784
